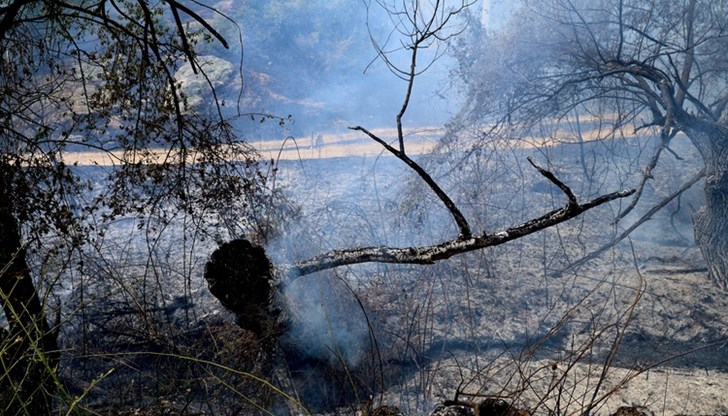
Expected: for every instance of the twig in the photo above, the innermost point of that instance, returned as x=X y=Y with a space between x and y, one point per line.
x=634 y=226
x=462 y=223
x=550 y=176
x=664 y=143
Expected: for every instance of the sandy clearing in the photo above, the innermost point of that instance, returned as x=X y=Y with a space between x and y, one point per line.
x=334 y=145
x=352 y=143
x=326 y=145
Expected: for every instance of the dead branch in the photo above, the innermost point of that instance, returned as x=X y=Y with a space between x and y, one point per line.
x=666 y=135
x=447 y=249
x=462 y=223
x=628 y=231
x=465 y=241
x=550 y=176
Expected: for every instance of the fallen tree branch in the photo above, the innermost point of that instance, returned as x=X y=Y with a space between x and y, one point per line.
x=458 y=216
x=447 y=249
x=596 y=253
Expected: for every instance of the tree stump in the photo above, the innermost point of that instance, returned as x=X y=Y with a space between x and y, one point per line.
x=240 y=275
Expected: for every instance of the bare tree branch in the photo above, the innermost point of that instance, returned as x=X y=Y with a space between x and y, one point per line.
x=628 y=231
x=465 y=242
x=665 y=138
x=447 y=249
x=550 y=176
x=408 y=95
x=422 y=29
x=462 y=223
x=684 y=77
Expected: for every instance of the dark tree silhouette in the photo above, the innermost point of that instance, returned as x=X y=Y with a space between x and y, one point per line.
x=98 y=76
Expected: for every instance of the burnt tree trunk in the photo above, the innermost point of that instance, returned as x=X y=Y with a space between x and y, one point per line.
x=240 y=275
x=29 y=351
x=711 y=225
x=711 y=221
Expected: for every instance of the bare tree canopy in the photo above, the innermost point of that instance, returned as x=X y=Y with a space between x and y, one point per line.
x=644 y=67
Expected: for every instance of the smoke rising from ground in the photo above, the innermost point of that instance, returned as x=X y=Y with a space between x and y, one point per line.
x=326 y=321
x=342 y=205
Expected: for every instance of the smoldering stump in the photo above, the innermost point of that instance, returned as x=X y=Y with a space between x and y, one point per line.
x=240 y=275
x=243 y=278
x=316 y=353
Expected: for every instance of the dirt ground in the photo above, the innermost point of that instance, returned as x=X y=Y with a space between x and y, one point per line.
x=672 y=357
x=642 y=325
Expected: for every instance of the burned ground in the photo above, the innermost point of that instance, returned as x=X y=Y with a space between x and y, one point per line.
x=495 y=322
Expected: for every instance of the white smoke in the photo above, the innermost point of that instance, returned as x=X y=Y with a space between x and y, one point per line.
x=327 y=323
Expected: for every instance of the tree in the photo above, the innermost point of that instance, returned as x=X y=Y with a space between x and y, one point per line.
x=423 y=29
x=647 y=67
x=100 y=76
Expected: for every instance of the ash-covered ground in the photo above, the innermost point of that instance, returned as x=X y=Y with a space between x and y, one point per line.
x=640 y=325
